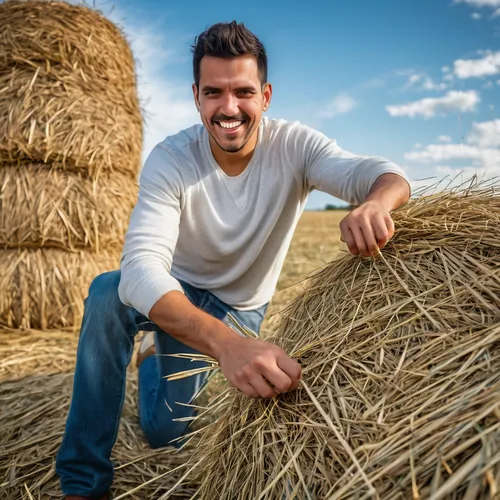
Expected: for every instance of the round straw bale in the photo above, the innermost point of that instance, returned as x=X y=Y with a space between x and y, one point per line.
x=47 y=119
x=41 y=207
x=64 y=37
x=400 y=393
x=45 y=289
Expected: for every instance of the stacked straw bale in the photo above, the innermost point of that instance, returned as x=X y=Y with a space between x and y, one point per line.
x=70 y=152
x=400 y=396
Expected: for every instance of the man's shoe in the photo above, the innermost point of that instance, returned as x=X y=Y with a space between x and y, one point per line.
x=79 y=497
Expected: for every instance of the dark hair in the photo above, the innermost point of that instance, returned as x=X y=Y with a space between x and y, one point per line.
x=228 y=40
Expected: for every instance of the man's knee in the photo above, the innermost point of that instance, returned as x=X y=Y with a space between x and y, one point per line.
x=164 y=434
x=103 y=291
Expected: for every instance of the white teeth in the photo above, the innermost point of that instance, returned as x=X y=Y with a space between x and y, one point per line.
x=230 y=124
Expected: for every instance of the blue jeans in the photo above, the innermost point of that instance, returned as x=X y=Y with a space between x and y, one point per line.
x=104 y=351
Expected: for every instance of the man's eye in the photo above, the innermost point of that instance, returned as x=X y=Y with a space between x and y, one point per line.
x=245 y=92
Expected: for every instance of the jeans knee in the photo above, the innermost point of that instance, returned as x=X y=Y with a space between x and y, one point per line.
x=103 y=291
x=160 y=436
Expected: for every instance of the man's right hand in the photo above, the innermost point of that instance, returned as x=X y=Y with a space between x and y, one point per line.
x=257 y=368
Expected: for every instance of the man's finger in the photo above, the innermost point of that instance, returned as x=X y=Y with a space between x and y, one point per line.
x=381 y=231
x=277 y=377
x=249 y=391
x=369 y=237
x=360 y=240
x=291 y=368
x=350 y=241
x=263 y=388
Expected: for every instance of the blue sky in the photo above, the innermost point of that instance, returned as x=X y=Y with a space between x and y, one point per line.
x=415 y=81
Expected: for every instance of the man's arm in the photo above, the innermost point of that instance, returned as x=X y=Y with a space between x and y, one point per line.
x=374 y=184
x=257 y=368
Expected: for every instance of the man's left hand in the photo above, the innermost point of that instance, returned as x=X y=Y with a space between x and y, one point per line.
x=367 y=228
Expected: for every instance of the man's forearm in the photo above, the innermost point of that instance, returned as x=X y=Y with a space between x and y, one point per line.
x=391 y=190
x=175 y=314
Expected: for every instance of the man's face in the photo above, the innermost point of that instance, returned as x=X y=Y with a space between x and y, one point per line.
x=231 y=100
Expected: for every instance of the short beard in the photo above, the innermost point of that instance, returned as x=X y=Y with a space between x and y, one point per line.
x=230 y=148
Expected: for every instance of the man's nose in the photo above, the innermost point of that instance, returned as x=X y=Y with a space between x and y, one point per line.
x=229 y=105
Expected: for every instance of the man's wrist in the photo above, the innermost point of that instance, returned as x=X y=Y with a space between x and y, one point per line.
x=219 y=335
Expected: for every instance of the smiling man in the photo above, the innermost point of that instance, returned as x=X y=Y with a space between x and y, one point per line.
x=217 y=208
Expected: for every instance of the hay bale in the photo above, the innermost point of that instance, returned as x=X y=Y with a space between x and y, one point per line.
x=400 y=395
x=45 y=289
x=67 y=89
x=41 y=207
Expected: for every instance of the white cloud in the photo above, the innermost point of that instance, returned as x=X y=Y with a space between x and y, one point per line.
x=470 y=68
x=485 y=134
x=483 y=157
x=444 y=138
x=340 y=104
x=430 y=106
x=480 y=3
x=481 y=150
x=476 y=16
x=496 y=13
x=418 y=81
x=418 y=145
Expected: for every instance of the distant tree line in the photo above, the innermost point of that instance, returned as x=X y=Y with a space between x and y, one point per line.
x=338 y=207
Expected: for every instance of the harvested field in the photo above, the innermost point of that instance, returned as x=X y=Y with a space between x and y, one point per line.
x=35 y=389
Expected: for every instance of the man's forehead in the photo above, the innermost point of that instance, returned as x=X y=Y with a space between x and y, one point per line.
x=241 y=70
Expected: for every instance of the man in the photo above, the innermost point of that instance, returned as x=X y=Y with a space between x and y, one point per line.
x=217 y=207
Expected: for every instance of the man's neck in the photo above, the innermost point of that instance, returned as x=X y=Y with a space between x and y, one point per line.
x=233 y=164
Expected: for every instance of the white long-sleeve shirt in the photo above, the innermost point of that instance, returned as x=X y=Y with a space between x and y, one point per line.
x=230 y=235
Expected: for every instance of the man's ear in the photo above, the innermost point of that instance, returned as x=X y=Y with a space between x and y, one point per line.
x=195 y=97
x=267 y=92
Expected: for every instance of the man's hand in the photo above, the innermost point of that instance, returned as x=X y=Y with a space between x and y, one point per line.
x=257 y=368
x=367 y=229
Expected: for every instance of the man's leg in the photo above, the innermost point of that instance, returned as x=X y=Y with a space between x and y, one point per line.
x=159 y=398
x=104 y=350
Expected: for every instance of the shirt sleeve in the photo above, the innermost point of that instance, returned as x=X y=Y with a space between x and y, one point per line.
x=346 y=176
x=152 y=234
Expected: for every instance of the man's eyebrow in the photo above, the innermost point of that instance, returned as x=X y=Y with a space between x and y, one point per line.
x=209 y=88
x=251 y=88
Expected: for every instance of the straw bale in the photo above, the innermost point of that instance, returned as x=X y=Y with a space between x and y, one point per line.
x=42 y=207
x=50 y=116
x=34 y=410
x=45 y=289
x=400 y=395
x=65 y=37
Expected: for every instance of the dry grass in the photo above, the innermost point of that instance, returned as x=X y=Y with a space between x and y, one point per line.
x=35 y=390
x=40 y=207
x=44 y=289
x=400 y=396
x=67 y=89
